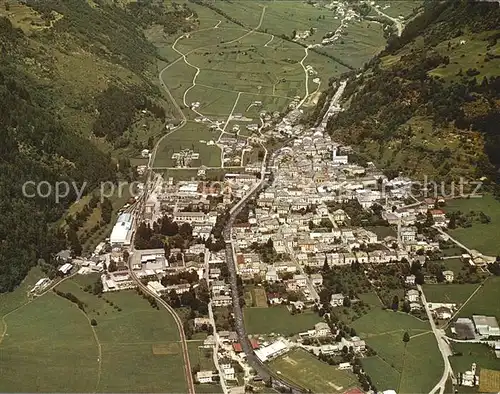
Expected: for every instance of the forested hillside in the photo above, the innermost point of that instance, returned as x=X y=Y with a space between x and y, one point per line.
x=430 y=102
x=74 y=75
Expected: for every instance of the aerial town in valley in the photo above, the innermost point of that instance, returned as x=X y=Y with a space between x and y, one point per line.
x=272 y=238
x=307 y=231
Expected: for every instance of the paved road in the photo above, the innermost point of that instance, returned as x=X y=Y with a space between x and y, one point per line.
x=262 y=370
x=396 y=21
x=177 y=319
x=444 y=348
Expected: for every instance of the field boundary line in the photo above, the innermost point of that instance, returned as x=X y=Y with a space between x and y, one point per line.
x=4 y=323
x=250 y=93
x=466 y=301
x=420 y=334
x=96 y=338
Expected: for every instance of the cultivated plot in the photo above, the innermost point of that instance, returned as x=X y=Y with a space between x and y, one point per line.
x=48 y=347
x=195 y=137
x=482 y=237
x=449 y=293
x=485 y=300
x=379 y=321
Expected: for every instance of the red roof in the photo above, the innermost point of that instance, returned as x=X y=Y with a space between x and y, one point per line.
x=240 y=259
x=354 y=390
x=237 y=346
x=437 y=212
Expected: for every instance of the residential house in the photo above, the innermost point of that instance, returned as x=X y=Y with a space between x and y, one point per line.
x=337 y=300
x=410 y=280
x=301 y=280
x=271 y=275
x=317 y=279
x=221 y=300
x=322 y=329
x=448 y=276
x=413 y=295
x=204 y=376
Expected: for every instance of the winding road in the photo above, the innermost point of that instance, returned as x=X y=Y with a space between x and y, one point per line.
x=397 y=22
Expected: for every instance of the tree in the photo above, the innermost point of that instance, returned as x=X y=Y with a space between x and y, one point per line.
x=112 y=266
x=406 y=337
x=294 y=34
x=395 y=303
x=74 y=242
x=106 y=210
x=93 y=322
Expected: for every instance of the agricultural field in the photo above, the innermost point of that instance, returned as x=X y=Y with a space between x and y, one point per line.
x=481 y=354
x=256 y=297
x=379 y=321
x=278 y=320
x=485 y=301
x=396 y=366
x=415 y=367
x=202 y=358
x=482 y=237
x=396 y=9
x=449 y=292
x=226 y=67
x=194 y=136
x=302 y=368
x=50 y=345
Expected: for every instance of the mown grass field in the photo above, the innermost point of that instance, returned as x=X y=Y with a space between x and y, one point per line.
x=482 y=237
x=278 y=320
x=302 y=368
x=50 y=346
x=189 y=137
x=448 y=293
x=379 y=321
x=481 y=354
x=485 y=301
x=415 y=367
x=399 y=8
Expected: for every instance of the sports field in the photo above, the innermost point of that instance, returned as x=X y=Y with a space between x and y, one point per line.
x=278 y=320
x=219 y=70
x=396 y=366
x=302 y=368
x=50 y=345
x=482 y=237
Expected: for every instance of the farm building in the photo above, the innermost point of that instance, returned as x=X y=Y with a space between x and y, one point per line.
x=486 y=325
x=65 y=268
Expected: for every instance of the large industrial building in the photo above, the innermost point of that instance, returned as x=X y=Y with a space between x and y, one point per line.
x=122 y=231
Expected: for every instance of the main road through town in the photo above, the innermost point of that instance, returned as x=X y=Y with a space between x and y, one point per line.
x=262 y=369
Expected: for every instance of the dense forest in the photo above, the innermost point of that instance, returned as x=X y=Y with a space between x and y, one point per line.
x=34 y=147
x=424 y=106
x=116 y=109
x=68 y=68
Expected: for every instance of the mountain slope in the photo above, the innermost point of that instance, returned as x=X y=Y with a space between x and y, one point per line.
x=429 y=104
x=74 y=77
